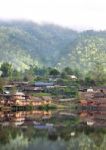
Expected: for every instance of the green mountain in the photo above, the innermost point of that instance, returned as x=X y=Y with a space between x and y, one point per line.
x=24 y=43
x=87 y=50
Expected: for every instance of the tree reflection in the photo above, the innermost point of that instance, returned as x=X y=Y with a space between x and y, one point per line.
x=15 y=144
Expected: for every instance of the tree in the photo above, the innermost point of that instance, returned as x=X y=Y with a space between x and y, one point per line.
x=68 y=71
x=89 y=81
x=63 y=75
x=16 y=75
x=97 y=73
x=34 y=70
x=6 y=69
x=54 y=72
x=2 y=83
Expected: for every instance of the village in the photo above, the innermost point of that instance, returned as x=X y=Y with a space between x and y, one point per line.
x=57 y=90
x=36 y=94
x=51 y=109
x=21 y=94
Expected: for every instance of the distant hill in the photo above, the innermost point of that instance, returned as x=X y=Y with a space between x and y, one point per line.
x=24 y=43
x=88 y=49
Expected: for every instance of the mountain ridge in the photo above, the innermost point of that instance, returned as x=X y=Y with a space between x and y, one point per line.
x=25 y=43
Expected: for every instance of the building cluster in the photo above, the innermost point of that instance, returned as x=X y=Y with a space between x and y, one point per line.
x=22 y=94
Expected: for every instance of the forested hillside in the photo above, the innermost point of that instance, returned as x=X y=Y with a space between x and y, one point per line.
x=86 y=51
x=24 y=43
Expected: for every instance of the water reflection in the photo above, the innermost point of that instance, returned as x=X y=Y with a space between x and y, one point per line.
x=93 y=118
x=52 y=130
x=23 y=117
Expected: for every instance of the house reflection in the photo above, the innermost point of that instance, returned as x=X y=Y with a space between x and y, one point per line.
x=93 y=118
x=93 y=107
x=22 y=117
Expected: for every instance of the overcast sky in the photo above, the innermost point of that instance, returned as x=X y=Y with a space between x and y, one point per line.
x=77 y=14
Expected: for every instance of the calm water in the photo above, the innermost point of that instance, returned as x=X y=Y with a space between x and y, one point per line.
x=52 y=130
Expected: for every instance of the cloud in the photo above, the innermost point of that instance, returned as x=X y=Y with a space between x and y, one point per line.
x=71 y=13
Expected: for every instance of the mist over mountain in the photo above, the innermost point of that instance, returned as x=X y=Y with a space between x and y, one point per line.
x=24 y=43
